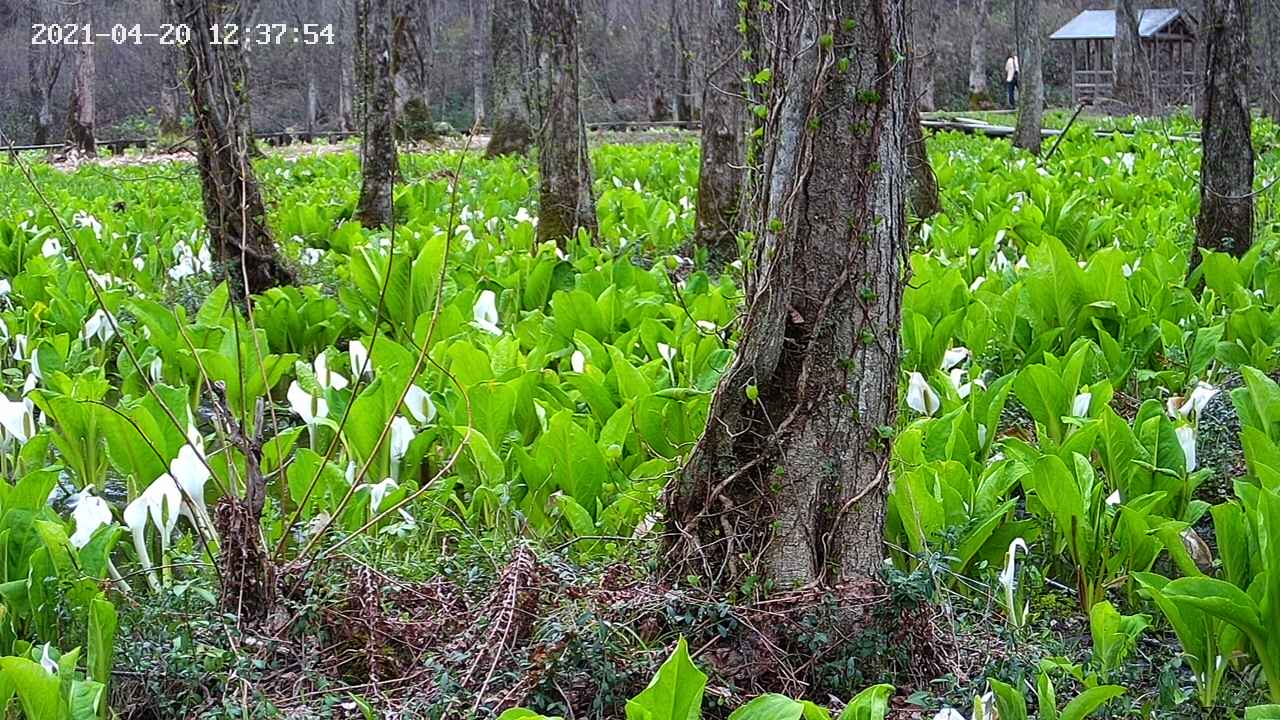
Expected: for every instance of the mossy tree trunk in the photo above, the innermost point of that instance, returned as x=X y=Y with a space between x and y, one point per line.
x=511 y=78
x=234 y=213
x=379 y=163
x=1226 y=166
x=724 y=120
x=788 y=483
x=566 y=199
x=1027 y=134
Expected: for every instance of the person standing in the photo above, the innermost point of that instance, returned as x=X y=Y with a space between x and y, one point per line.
x=1011 y=77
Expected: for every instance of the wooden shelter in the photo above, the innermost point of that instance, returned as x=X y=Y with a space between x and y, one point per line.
x=1168 y=38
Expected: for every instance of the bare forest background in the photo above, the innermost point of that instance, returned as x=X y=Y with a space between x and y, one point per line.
x=642 y=60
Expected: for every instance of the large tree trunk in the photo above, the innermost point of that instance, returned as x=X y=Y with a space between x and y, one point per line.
x=1131 y=83
x=82 y=108
x=924 y=51
x=924 y=199
x=724 y=117
x=346 y=83
x=1031 y=78
x=44 y=63
x=788 y=484
x=233 y=209
x=566 y=199
x=479 y=59
x=1270 y=10
x=379 y=164
x=1226 y=166
x=411 y=102
x=509 y=43
x=978 y=93
x=170 y=119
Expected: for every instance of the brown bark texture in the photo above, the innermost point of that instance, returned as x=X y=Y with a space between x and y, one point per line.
x=233 y=208
x=479 y=60
x=1027 y=134
x=924 y=199
x=566 y=199
x=724 y=119
x=1225 y=222
x=923 y=34
x=978 y=93
x=1269 y=10
x=789 y=482
x=379 y=163
x=510 y=78
x=82 y=108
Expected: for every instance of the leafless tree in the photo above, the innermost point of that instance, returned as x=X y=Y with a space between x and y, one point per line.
x=1269 y=11
x=566 y=200
x=1132 y=83
x=379 y=163
x=479 y=58
x=789 y=481
x=1226 y=166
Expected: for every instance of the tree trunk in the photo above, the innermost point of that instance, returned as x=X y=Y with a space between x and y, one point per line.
x=346 y=83
x=978 y=93
x=170 y=119
x=1226 y=166
x=82 y=108
x=1128 y=62
x=509 y=43
x=379 y=164
x=1030 y=78
x=566 y=199
x=410 y=102
x=44 y=63
x=479 y=60
x=313 y=100
x=724 y=119
x=684 y=76
x=924 y=200
x=233 y=208
x=924 y=50
x=789 y=482
x=1271 y=70
x=1201 y=63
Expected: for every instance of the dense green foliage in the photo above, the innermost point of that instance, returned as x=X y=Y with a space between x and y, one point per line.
x=450 y=378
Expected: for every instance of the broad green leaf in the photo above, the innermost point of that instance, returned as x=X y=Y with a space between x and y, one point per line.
x=675 y=693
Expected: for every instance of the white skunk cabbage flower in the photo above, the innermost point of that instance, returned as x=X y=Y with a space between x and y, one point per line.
x=91 y=512
x=954 y=357
x=311 y=256
x=51 y=247
x=1113 y=499
x=1197 y=401
x=325 y=377
x=1009 y=580
x=100 y=325
x=1187 y=439
x=156 y=369
x=485 y=313
x=47 y=662
x=1129 y=270
x=402 y=434
x=667 y=352
x=359 y=358
x=1080 y=406
x=963 y=389
x=139 y=263
x=190 y=471
x=84 y=219
x=379 y=491
x=419 y=404
x=5 y=287
x=578 y=361
x=306 y=406
x=17 y=419
x=947 y=713
x=160 y=504
x=522 y=216
x=921 y=397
